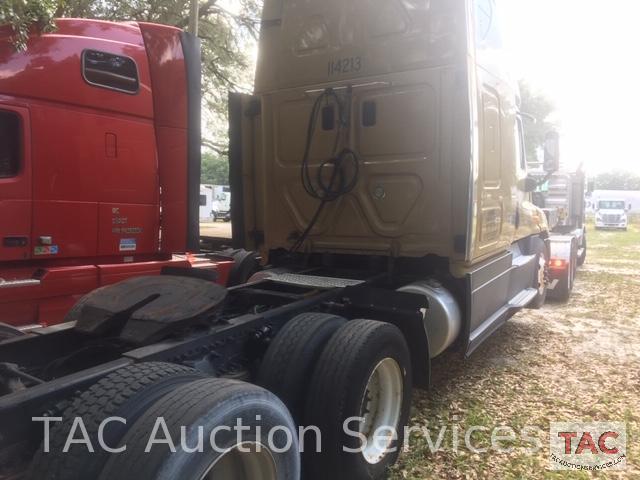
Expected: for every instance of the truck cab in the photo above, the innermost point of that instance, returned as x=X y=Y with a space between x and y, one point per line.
x=389 y=132
x=221 y=205
x=611 y=214
x=99 y=161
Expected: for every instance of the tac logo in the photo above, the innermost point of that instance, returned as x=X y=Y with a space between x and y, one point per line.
x=588 y=446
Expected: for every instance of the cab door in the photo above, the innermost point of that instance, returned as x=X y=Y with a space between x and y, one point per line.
x=15 y=183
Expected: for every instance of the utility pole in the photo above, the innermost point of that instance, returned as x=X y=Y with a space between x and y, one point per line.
x=194 y=17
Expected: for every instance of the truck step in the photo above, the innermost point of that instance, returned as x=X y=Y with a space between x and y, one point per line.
x=523 y=299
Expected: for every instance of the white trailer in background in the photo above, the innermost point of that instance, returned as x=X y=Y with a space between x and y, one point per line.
x=206 y=202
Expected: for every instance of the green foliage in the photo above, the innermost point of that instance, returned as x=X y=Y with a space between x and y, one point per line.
x=225 y=36
x=539 y=106
x=25 y=15
x=228 y=29
x=215 y=170
x=617 y=180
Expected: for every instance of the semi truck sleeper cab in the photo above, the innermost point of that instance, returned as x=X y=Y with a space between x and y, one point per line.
x=379 y=170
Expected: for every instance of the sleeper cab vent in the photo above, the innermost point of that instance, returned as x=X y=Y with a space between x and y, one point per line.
x=111 y=71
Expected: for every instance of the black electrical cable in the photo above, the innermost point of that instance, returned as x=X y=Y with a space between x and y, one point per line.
x=337 y=186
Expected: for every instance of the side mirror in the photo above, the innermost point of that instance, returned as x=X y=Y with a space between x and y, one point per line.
x=552 y=152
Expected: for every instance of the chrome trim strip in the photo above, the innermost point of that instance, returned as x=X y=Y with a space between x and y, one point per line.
x=18 y=283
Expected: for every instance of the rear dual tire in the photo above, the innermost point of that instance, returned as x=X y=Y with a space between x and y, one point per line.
x=565 y=285
x=143 y=393
x=541 y=281
x=288 y=365
x=127 y=393
x=215 y=405
x=582 y=258
x=364 y=372
x=327 y=371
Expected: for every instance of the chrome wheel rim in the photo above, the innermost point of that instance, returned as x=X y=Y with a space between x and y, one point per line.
x=381 y=409
x=245 y=461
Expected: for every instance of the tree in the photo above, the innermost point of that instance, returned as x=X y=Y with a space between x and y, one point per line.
x=226 y=32
x=540 y=107
x=215 y=170
x=617 y=180
x=25 y=15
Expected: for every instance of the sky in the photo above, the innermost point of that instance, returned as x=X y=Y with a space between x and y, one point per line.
x=585 y=56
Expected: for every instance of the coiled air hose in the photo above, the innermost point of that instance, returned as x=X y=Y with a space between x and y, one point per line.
x=339 y=181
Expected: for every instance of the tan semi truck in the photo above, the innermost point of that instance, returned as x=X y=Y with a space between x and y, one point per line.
x=389 y=131
x=379 y=170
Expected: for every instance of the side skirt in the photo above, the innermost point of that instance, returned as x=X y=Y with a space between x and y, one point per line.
x=496 y=290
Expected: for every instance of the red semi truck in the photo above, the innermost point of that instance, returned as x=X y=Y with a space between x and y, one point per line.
x=99 y=163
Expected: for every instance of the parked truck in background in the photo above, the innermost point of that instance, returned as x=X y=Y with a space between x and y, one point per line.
x=379 y=170
x=221 y=207
x=612 y=214
x=562 y=198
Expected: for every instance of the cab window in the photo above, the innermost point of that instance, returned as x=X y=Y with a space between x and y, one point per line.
x=115 y=72
x=10 y=141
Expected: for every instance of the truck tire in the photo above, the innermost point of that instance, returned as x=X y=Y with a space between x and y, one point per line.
x=215 y=406
x=541 y=278
x=126 y=393
x=583 y=256
x=565 y=285
x=288 y=365
x=365 y=372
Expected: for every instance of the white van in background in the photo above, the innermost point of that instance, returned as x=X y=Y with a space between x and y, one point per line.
x=221 y=205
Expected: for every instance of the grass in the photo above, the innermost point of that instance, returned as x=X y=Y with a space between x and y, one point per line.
x=575 y=361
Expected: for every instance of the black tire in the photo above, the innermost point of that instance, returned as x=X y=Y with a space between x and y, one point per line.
x=583 y=256
x=210 y=404
x=288 y=365
x=541 y=298
x=564 y=288
x=126 y=393
x=246 y=264
x=338 y=391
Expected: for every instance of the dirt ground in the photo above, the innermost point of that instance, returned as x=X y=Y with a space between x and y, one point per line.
x=216 y=229
x=567 y=362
